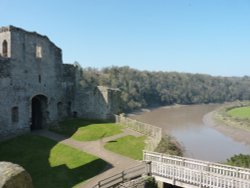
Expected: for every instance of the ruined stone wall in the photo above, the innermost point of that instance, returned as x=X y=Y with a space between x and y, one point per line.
x=97 y=102
x=33 y=68
x=5 y=35
x=4 y=68
x=69 y=88
x=90 y=103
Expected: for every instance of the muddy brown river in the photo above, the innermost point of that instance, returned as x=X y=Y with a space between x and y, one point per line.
x=199 y=140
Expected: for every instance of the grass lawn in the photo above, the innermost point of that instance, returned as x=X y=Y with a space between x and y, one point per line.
x=242 y=112
x=50 y=164
x=129 y=146
x=87 y=130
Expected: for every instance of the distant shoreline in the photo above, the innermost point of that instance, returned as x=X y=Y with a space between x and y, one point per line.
x=149 y=109
x=237 y=134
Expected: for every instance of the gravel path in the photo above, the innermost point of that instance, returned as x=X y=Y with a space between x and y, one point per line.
x=117 y=162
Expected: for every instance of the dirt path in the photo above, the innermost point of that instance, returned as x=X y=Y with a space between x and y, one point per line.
x=118 y=162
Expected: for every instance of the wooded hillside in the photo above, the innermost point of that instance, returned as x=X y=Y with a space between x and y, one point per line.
x=144 y=88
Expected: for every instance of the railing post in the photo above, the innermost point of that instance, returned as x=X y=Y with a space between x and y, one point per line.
x=148 y=168
x=237 y=173
x=161 y=157
x=201 y=179
x=123 y=174
x=208 y=167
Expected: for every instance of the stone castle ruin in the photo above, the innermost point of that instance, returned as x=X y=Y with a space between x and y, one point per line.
x=37 y=89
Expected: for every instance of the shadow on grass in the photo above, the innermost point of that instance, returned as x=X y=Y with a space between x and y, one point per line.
x=111 y=141
x=68 y=127
x=34 y=153
x=86 y=130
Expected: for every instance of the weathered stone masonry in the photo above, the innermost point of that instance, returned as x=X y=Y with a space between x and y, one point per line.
x=36 y=88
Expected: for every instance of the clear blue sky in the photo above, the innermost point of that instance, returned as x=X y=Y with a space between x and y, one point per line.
x=197 y=36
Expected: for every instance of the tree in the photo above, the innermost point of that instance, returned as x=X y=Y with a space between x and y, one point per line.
x=240 y=160
x=145 y=88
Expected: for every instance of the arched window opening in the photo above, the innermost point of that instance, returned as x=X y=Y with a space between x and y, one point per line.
x=14 y=114
x=5 y=49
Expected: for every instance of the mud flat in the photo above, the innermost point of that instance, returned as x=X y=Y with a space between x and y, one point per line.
x=237 y=134
x=194 y=128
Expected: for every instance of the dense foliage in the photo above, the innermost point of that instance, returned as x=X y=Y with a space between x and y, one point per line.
x=150 y=182
x=169 y=146
x=240 y=160
x=144 y=88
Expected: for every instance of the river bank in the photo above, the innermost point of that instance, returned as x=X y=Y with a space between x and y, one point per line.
x=237 y=134
x=193 y=127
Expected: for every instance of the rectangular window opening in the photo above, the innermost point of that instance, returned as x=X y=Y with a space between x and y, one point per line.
x=39 y=78
x=38 y=52
x=14 y=114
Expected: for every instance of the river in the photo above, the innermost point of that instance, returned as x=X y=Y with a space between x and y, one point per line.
x=200 y=141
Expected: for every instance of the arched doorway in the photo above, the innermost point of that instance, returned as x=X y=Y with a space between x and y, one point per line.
x=39 y=112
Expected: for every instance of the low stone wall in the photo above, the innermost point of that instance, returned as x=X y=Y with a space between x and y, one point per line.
x=142 y=182
x=14 y=176
x=154 y=133
x=137 y=183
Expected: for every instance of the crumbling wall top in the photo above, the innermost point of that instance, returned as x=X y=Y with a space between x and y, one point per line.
x=12 y=28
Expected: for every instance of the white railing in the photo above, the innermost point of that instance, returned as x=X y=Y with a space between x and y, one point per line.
x=197 y=172
x=195 y=177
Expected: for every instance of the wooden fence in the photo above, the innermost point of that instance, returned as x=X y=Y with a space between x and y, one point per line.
x=154 y=133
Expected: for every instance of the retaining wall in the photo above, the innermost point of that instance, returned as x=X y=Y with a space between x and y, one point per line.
x=154 y=133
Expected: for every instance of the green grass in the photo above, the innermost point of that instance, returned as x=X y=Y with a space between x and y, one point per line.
x=50 y=164
x=242 y=112
x=86 y=130
x=235 y=114
x=129 y=146
x=97 y=131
